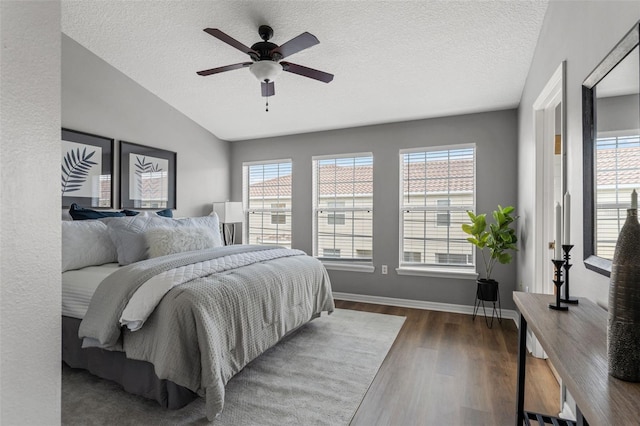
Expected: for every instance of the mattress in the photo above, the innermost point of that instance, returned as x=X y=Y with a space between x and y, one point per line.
x=79 y=285
x=136 y=377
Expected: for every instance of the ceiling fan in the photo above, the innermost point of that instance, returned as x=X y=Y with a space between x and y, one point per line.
x=267 y=58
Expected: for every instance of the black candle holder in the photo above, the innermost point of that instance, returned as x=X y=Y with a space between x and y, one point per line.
x=558 y=282
x=566 y=248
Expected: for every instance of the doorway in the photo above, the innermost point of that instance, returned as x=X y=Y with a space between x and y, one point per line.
x=550 y=129
x=550 y=183
x=550 y=188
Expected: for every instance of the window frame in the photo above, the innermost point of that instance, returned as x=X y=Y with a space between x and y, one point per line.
x=348 y=264
x=426 y=269
x=246 y=166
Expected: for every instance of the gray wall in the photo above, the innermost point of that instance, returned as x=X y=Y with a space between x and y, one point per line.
x=582 y=33
x=97 y=98
x=495 y=135
x=29 y=213
x=618 y=113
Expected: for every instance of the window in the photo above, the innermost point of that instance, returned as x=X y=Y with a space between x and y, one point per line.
x=412 y=256
x=330 y=252
x=334 y=218
x=443 y=218
x=278 y=218
x=343 y=207
x=437 y=188
x=267 y=203
x=365 y=254
x=453 y=258
x=617 y=173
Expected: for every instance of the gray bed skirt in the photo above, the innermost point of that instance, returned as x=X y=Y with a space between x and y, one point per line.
x=136 y=377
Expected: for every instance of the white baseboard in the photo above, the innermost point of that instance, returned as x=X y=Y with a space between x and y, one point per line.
x=419 y=304
x=567 y=412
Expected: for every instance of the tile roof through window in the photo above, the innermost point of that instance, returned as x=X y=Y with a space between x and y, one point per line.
x=618 y=166
x=433 y=176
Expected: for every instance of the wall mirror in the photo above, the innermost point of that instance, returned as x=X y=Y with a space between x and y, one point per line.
x=611 y=144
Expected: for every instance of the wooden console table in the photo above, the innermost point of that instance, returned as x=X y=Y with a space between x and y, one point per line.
x=576 y=343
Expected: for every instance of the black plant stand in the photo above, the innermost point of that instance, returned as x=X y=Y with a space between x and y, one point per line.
x=497 y=313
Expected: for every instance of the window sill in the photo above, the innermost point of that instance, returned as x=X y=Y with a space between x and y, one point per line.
x=347 y=266
x=599 y=265
x=437 y=272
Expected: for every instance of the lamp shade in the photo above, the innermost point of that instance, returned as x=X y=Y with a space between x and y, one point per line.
x=229 y=211
x=265 y=70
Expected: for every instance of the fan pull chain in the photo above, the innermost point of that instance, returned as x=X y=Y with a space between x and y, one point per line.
x=267 y=109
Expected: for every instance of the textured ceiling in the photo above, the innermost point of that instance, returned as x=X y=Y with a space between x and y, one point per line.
x=392 y=60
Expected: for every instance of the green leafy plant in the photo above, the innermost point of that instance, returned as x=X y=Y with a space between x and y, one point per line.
x=500 y=238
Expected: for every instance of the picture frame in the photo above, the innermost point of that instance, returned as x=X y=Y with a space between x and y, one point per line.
x=87 y=169
x=147 y=177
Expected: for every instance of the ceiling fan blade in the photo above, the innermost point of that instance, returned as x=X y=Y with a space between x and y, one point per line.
x=296 y=44
x=225 y=68
x=307 y=72
x=231 y=41
x=268 y=89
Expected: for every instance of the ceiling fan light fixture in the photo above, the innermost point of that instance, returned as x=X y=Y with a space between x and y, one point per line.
x=265 y=70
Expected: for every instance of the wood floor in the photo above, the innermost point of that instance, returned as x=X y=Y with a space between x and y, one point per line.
x=444 y=369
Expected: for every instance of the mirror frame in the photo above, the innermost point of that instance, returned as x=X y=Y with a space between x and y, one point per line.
x=589 y=116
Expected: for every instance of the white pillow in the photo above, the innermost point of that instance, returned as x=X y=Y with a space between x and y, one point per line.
x=86 y=243
x=164 y=241
x=210 y=222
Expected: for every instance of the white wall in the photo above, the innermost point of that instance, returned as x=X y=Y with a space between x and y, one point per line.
x=495 y=136
x=29 y=212
x=99 y=99
x=582 y=33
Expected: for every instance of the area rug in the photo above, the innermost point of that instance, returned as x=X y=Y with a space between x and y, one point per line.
x=316 y=376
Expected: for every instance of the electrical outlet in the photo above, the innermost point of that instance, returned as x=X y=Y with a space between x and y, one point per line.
x=384 y=269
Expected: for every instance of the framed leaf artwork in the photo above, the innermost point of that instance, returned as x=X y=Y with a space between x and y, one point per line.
x=147 y=177
x=87 y=164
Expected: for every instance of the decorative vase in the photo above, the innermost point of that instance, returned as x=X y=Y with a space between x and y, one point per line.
x=623 y=331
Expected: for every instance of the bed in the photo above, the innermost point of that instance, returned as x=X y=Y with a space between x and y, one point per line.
x=172 y=314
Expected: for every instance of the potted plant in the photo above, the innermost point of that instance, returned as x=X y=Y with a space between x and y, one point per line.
x=500 y=239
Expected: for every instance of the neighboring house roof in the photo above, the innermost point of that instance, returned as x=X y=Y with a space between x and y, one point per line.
x=435 y=176
x=440 y=176
x=618 y=167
